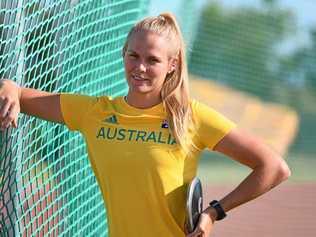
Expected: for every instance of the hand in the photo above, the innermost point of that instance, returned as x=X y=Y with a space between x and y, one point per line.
x=9 y=104
x=205 y=224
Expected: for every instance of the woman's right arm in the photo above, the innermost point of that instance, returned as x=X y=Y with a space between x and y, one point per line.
x=41 y=104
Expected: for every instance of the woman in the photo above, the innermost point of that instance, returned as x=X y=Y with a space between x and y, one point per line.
x=144 y=147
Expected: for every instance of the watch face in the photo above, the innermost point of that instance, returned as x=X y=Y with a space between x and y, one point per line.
x=214 y=203
x=194 y=203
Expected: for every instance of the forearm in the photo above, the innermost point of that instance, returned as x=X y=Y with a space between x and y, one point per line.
x=268 y=168
x=29 y=98
x=41 y=104
x=259 y=181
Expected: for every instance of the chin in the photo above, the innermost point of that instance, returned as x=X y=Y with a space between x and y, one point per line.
x=141 y=90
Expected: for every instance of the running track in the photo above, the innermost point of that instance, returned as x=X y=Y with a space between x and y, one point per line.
x=289 y=210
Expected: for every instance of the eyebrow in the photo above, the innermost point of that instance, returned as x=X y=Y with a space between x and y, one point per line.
x=131 y=51
x=149 y=56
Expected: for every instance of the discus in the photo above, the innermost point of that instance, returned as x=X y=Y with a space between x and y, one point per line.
x=194 y=204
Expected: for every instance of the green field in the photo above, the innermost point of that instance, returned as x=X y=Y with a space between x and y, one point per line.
x=216 y=168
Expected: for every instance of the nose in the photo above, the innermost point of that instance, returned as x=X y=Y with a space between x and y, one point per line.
x=142 y=67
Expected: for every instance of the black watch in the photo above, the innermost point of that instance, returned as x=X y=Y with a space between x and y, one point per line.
x=219 y=209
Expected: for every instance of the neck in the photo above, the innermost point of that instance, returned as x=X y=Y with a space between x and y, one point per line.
x=142 y=101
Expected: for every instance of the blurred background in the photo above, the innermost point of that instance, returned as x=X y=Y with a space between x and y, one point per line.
x=252 y=60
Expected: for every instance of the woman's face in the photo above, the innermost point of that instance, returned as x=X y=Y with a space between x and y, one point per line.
x=147 y=63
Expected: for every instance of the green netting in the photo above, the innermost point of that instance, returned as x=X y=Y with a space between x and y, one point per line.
x=47 y=186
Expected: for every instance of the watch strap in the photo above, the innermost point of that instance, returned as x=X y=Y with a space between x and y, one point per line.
x=219 y=209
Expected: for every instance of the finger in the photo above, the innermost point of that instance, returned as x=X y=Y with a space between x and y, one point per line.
x=16 y=111
x=186 y=228
x=5 y=125
x=15 y=122
x=4 y=108
x=195 y=233
x=10 y=117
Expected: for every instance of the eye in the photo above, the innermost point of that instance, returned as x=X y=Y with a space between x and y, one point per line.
x=132 y=55
x=154 y=60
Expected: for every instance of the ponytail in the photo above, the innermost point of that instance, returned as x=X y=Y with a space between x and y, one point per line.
x=175 y=90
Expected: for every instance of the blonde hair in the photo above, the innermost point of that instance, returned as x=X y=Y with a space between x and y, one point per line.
x=175 y=90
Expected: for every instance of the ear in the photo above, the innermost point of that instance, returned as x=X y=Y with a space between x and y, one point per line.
x=173 y=65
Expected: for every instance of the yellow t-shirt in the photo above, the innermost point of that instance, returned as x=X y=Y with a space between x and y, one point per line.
x=140 y=168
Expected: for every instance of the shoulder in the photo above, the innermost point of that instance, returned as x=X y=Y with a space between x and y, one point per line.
x=85 y=104
x=77 y=108
x=204 y=115
x=200 y=109
x=210 y=125
x=84 y=100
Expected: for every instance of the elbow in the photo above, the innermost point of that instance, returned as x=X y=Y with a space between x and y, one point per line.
x=283 y=171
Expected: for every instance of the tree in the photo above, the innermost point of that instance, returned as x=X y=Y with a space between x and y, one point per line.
x=299 y=68
x=237 y=47
x=311 y=62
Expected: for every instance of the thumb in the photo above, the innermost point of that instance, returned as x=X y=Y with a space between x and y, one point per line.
x=186 y=229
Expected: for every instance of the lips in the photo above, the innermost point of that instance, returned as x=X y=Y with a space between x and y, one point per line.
x=139 y=78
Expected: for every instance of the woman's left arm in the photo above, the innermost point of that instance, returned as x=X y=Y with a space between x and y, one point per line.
x=268 y=170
